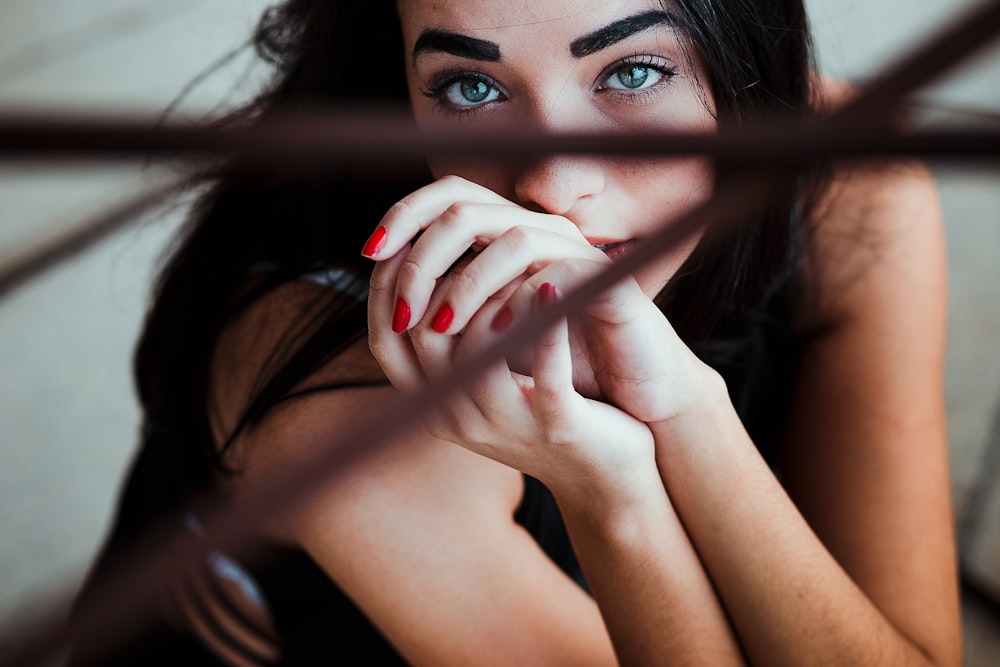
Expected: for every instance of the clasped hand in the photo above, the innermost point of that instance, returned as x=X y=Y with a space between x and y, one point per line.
x=457 y=263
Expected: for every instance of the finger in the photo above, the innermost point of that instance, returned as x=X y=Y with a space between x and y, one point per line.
x=417 y=210
x=464 y=225
x=494 y=389
x=461 y=420
x=521 y=250
x=569 y=274
x=552 y=367
x=457 y=417
x=393 y=351
x=493 y=402
x=434 y=352
x=617 y=304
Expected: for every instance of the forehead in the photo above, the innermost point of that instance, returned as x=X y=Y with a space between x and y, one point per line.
x=516 y=18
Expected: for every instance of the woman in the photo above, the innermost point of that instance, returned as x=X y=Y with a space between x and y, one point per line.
x=804 y=344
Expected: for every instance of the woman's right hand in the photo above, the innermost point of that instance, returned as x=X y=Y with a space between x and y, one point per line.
x=535 y=421
x=623 y=349
x=597 y=457
x=434 y=232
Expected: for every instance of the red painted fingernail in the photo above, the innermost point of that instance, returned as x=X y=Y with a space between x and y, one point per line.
x=375 y=243
x=502 y=319
x=547 y=294
x=401 y=316
x=443 y=319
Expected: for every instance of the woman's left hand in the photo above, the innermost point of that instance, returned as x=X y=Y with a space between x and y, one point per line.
x=537 y=422
x=598 y=458
x=623 y=348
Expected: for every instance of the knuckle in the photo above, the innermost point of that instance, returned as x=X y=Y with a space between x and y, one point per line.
x=410 y=272
x=517 y=238
x=422 y=339
x=550 y=399
x=418 y=340
x=399 y=210
x=452 y=179
x=378 y=283
x=401 y=207
x=456 y=213
x=461 y=282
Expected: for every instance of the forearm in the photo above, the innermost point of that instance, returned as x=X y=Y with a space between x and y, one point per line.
x=789 y=600
x=654 y=595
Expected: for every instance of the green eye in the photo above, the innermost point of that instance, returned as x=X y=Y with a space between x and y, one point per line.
x=474 y=91
x=463 y=91
x=470 y=92
x=634 y=77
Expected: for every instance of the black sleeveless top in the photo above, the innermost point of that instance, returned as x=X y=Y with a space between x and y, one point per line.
x=319 y=624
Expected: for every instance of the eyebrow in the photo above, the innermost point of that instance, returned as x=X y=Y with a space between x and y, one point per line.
x=463 y=46
x=620 y=30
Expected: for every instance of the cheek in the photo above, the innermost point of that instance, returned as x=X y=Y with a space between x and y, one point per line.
x=663 y=190
x=658 y=193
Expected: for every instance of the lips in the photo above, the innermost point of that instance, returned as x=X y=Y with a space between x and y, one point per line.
x=615 y=250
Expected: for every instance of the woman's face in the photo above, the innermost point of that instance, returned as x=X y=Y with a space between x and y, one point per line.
x=566 y=65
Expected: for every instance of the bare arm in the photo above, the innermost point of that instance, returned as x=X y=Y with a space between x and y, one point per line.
x=860 y=569
x=421 y=535
x=653 y=593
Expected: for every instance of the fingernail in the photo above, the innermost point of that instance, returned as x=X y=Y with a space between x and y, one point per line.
x=547 y=294
x=401 y=316
x=502 y=319
x=443 y=319
x=375 y=243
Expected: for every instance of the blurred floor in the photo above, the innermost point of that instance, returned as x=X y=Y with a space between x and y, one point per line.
x=67 y=414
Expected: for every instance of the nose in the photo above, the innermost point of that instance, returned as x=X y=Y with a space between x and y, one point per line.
x=557 y=183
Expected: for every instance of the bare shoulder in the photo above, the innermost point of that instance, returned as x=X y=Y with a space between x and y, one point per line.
x=258 y=340
x=418 y=532
x=261 y=339
x=876 y=240
x=865 y=454
x=876 y=232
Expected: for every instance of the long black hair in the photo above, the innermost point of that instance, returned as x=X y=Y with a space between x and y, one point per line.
x=757 y=57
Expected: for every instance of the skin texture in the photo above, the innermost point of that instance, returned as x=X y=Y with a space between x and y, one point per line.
x=694 y=551
x=541 y=84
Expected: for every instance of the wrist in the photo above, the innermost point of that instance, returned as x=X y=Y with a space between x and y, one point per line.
x=710 y=408
x=611 y=499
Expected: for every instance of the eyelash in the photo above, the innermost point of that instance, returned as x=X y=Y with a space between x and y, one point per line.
x=439 y=85
x=639 y=95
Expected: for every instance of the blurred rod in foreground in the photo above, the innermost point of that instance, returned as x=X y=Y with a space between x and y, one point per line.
x=336 y=137
x=123 y=601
